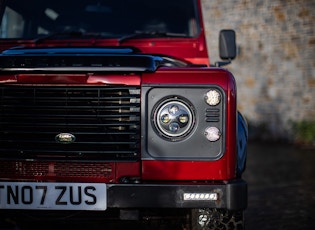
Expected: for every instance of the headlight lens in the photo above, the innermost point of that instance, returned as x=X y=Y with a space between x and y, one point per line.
x=174 y=118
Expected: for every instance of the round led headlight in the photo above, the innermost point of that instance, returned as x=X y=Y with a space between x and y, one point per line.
x=173 y=118
x=213 y=97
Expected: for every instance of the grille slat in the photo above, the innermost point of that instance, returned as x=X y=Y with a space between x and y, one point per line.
x=212 y=115
x=104 y=120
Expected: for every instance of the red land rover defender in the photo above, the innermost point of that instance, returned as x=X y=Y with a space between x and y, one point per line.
x=111 y=108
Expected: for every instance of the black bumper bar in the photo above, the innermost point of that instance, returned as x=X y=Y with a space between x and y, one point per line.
x=231 y=195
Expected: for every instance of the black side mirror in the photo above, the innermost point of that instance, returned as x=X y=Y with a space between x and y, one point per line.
x=227 y=44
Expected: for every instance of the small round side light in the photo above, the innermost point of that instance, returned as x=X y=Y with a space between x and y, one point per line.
x=212 y=133
x=213 y=97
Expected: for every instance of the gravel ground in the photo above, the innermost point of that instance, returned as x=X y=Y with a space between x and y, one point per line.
x=281 y=187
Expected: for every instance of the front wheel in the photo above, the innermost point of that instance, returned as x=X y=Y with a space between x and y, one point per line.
x=216 y=219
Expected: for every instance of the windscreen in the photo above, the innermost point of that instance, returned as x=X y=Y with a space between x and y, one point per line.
x=31 y=19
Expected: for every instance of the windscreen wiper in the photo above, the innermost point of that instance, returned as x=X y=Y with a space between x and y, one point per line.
x=150 y=34
x=67 y=34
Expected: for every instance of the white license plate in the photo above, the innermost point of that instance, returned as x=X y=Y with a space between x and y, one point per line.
x=53 y=196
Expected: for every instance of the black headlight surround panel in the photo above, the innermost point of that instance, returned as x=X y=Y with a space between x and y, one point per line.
x=194 y=145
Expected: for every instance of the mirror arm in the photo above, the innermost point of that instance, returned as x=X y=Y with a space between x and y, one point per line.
x=222 y=63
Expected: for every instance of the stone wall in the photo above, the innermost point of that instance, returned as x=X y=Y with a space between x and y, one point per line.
x=275 y=67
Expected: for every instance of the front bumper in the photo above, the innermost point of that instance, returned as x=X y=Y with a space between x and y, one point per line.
x=231 y=195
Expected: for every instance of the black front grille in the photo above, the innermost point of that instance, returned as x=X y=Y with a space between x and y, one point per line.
x=105 y=122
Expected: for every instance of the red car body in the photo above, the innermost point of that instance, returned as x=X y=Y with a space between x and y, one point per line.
x=178 y=65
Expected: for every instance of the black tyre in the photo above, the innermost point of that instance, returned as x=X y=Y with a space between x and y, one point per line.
x=216 y=219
